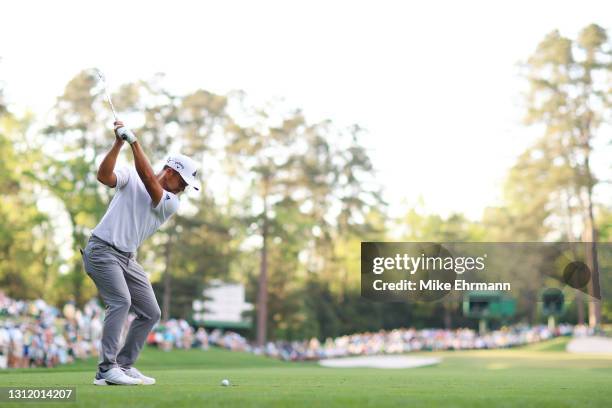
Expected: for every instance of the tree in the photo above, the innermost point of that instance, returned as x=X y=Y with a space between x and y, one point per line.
x=569 y=94
x=263 y=152
x=28 y=256
x=202 y=248
x=310 y=188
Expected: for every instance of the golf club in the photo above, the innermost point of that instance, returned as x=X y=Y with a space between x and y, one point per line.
x=108 y=98
x=123 y=132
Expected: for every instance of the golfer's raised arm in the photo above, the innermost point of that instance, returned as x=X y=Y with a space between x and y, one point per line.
x=106 y=175
x=146 y=173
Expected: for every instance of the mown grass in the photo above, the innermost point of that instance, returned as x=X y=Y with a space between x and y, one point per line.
x=538 y=375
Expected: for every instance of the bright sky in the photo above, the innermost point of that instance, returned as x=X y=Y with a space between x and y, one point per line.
x=435 y=82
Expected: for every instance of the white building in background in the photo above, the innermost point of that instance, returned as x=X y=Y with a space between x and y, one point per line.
x=223 y=305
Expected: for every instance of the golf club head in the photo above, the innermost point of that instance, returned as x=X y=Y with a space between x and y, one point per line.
x=100 y=76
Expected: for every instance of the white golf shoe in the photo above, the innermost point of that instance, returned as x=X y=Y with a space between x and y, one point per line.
x=115 y=376
x=133 y=372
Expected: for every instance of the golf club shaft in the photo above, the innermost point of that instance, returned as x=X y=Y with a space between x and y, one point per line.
x=123 y=132
x=110 y=102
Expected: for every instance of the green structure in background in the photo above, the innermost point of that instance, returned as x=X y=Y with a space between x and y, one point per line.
x=553 y=305
x=488 y=305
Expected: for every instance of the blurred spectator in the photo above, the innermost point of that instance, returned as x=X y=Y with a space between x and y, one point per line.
x=36 y=334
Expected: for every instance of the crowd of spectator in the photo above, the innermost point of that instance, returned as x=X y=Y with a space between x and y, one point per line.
x=179 y=334
x=34 y=334
x=407 y=340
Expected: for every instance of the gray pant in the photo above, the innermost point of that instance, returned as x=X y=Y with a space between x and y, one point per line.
x=123 y=286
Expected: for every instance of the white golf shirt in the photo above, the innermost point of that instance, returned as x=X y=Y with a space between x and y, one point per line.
x=131 y=217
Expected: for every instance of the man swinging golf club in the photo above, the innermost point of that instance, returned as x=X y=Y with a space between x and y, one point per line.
x=143 y=201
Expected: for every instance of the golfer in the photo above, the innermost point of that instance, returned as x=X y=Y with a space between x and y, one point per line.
x=143 y=201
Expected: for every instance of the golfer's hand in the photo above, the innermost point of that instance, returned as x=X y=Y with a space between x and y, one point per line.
x=123 y=133
x=118 y=124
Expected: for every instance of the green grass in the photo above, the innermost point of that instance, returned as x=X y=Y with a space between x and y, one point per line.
x=537 y=375
x=557 y=344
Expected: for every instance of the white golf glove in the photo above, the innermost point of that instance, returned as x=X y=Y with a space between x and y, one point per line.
x=126 y=134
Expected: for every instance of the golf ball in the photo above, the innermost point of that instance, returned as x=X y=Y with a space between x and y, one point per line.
x=225 y=383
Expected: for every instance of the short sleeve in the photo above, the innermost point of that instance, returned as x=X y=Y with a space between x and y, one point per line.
x=167 y=206
x=123 y=176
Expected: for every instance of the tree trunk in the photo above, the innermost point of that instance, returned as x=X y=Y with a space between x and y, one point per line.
x=448 y=322
x=78 y=276
x=262 y=295
x=167 y=281
x=579 y=299
x=591 y=239
x=591 y=258
x=590 y=228
x=580 y=306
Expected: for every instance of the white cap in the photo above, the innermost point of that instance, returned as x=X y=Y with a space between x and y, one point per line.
x=186 y=167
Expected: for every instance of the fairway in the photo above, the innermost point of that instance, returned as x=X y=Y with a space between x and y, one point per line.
x=539 y=375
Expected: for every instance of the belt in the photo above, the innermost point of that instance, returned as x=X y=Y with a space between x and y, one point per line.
x=128 y=254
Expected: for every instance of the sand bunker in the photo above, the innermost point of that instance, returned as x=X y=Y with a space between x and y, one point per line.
x=590 y=345
x=380 y=362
